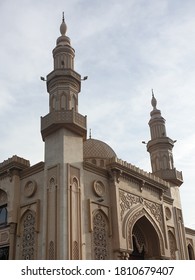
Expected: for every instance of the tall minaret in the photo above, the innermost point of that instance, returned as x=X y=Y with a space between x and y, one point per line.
x=63 y=131
x=160 y=148
x=63 y=86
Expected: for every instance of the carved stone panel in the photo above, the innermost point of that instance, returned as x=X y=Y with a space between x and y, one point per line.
x=99 y=188
x=4 y=236
x=168 y=213
x=129 y=201
x=28 y=227
x=28 y=236
x=30 y=188
x=100 y=236
x=51 y=251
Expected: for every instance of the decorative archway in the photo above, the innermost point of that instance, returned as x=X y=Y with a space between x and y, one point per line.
x=144 y=236
x=145 y=240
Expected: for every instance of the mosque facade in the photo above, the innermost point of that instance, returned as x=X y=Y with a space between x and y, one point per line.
x=83 y=202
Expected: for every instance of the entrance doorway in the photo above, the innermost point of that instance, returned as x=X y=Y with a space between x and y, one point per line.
x=145 y=241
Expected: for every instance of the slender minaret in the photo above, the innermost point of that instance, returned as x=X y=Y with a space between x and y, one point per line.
x=63 y=86
x=160 y=148
x=63 y=131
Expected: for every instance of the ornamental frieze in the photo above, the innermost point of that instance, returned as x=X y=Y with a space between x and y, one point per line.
x=155 y=209
x=129 y=201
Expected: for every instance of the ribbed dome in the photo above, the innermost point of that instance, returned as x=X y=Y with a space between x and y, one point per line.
x=93 y=148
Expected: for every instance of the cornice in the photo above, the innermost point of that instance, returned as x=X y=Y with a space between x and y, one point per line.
x=32 y=170
x=14 y=162
x=168 y=199
x=95 y=169
x=137 y=173
x=189 y=231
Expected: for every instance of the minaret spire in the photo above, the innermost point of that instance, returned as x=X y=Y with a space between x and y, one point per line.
x=153 y=101
x=63 y=27
x=160 y=148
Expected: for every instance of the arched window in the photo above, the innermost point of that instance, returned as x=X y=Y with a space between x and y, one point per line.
x=53 y=103
x=75 y=218
x=63 y=102
x=74 y=102
x=165 y=165
x=172 y=245
x=3 y=215
x=190 y=252
x=3 y=208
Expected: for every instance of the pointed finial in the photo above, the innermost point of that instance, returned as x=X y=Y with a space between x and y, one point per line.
x=63 y=26
x=152 y=93
x=90 y=133
x=153 y=101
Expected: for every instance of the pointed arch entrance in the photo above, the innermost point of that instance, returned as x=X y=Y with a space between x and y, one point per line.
x=145 y=241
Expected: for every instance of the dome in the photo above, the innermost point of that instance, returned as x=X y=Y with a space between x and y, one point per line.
x=93 y=148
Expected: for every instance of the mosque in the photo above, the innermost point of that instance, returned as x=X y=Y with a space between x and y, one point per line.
x=83 y=202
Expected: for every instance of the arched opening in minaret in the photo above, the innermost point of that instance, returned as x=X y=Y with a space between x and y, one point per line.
x=145 y=241
x=63 y=101
x=52 y=103
x=74 y=103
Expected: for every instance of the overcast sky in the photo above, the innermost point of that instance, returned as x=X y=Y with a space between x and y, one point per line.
x=126 y=48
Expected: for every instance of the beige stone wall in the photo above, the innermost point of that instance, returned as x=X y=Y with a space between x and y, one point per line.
x=96 y=198
x=96 y=202
x=31 y=200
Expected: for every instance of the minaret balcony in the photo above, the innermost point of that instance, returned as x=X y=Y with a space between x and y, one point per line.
x=171 y=175
x=69 y=119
